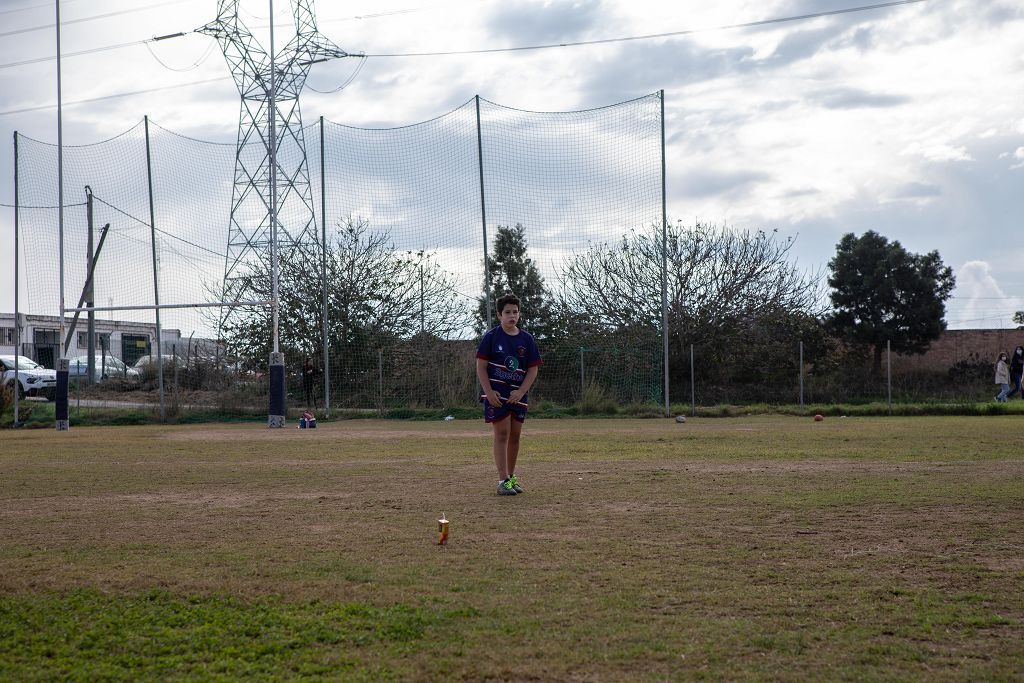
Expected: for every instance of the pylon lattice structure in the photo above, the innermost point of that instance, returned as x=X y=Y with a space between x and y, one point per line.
x=249 y=231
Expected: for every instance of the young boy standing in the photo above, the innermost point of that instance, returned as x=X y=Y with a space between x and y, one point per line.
x=507 y=363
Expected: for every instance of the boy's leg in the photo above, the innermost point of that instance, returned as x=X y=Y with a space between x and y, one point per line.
x=512 y=452
x=501 y=435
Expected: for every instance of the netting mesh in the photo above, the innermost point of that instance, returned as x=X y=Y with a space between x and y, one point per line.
x=578 y=181
x=401 y=214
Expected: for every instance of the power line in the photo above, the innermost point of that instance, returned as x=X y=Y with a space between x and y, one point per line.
x=76 y=54
x=358 y=17
x=651 y=36
x=763 y=22
x=164 y=232
x=25 y=206
x=195 y=65
x=31 y=7
x=346 y=82
x=116 y=95
x=92 y=18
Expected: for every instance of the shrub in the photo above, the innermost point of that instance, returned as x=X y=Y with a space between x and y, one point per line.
x=596 y=400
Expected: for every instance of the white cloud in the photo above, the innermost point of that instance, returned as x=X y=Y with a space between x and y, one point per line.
x=979 y=301
x=938 y=152
x=1019 y=156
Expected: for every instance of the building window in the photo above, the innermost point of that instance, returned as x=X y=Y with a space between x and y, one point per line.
x=47 y=337
x=102 y=340
x=7 y=336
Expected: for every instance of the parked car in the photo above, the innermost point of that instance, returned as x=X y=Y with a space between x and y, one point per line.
x=114 y=369
x=148 y=367
x=33 y=378
x=144 y=363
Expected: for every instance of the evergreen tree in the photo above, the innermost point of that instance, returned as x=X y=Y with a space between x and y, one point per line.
x=513 y=271
x=883 y=293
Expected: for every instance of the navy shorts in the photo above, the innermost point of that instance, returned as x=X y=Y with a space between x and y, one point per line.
x=492 y=414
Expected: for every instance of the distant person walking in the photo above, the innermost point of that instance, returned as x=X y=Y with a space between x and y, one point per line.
x=1002 y=378
x=308 y=380
x=1016 y=372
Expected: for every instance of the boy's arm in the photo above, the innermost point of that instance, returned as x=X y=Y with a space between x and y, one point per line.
x=485 y=382
x=531 y=376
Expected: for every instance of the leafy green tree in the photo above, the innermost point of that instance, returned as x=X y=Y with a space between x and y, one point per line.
x=1018 y=319
x=513 y=271
x=883 y=293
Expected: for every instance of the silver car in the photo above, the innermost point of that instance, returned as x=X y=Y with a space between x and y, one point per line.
x=33 y=378
x=113 y=369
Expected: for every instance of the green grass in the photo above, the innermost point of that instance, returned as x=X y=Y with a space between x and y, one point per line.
x=42 y=414
x=157 y=635
x=761 y=547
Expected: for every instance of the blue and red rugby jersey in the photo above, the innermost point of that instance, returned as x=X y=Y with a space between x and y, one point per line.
x=509 y=357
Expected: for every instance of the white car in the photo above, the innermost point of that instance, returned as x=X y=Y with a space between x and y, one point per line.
x=33 y=378
x=114 y=369
x=145 y=363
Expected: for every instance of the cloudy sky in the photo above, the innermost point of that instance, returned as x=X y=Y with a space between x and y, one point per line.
x=907 y=120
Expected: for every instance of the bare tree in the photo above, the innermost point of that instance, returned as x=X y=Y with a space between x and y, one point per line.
x=724 y=287
x=717 y=279
x=374 y=295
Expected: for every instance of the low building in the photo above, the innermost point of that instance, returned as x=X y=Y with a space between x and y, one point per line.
x=40 y=338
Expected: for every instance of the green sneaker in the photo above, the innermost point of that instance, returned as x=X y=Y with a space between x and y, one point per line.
x=505 y=488
x=514 y=480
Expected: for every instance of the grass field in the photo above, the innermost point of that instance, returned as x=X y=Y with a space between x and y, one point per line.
x=742 y=549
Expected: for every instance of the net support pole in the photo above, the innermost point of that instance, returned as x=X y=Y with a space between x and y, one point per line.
x=276 y=416
x=89 y=298
x=483 y=211
x=156 y=278
x=17 y=321
x=380 y=382
x=583 y=384
x=323 y=271
x=61 y=399
x=327 y=357
x=801 y=373
x=888 y=371
x=693 y=385
x=664 y=259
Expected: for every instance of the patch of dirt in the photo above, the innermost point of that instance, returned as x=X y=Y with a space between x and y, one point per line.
x=333 y=431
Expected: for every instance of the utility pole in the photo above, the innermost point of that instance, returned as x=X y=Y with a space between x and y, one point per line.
x=272 y=180
x=269 y=85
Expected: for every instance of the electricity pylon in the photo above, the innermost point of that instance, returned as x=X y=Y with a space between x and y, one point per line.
x=249 y=231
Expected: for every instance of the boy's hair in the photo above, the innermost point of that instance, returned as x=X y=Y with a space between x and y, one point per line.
x=505 y=300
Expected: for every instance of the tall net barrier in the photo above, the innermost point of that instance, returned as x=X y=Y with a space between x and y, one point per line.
x=392 y=245
x=404 y=229
x=167 y=247
x=577 y=183
x=554 y=186
x=122 y=275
